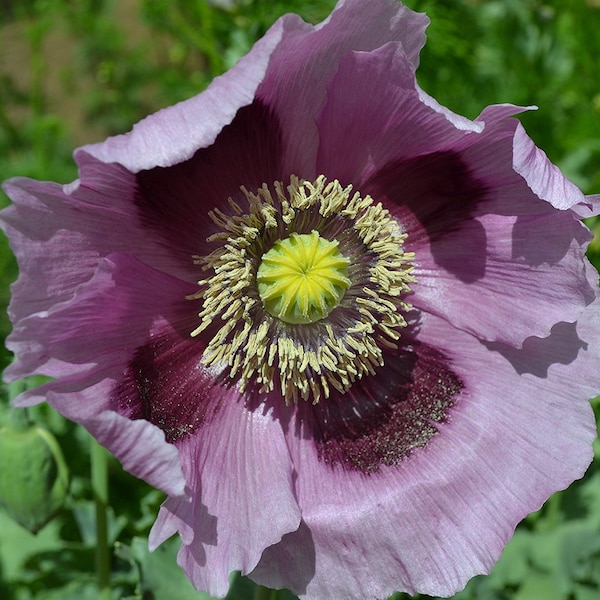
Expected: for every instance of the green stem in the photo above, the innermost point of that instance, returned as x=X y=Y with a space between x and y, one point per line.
x=18 y=417
x=100 y=489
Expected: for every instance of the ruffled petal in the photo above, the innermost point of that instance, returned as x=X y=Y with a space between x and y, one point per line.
x=63 y=340
x=175 y=202
x=140 y=446
x=512 y=271
x=589 y=208
x=59 y=234
x=480 y=235
x=141 y=449
x=240 y=480
x=545 y=179
x=446 y=511
x=358 y=135
x=173 y=134
x=295 y=85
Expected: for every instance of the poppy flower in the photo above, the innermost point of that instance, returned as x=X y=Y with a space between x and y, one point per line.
x=351 y=334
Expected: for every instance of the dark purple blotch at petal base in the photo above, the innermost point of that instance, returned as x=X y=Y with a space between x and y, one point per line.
x=166 y=384
x=435 y=196
x=175 y=201
x=384 y=417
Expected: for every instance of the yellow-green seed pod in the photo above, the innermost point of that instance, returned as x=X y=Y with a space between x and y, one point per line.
x=34 y=477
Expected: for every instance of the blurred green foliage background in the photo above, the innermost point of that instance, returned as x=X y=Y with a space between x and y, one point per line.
x=75 y=71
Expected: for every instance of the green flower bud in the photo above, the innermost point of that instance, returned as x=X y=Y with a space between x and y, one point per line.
x=34 y=477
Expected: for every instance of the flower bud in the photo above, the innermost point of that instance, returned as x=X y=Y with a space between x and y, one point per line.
x=34 y=477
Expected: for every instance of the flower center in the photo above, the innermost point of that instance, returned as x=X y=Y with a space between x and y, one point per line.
x=302 y=278
x=305 y=289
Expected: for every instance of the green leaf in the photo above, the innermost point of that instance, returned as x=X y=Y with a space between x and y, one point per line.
x=580 y=553
x=17 y=545
x=513 y=567
x=584 y=592
x=539 y=586
x=74 y=590
x=160 y=574
x=85 y=515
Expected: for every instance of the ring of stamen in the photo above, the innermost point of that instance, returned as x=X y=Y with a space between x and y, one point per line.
x=312 y=340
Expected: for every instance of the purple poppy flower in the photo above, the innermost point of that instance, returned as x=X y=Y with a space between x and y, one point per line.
x=351 y=334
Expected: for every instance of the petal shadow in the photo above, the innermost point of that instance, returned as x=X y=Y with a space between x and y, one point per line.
x=538 y=354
